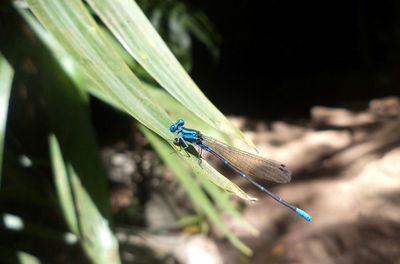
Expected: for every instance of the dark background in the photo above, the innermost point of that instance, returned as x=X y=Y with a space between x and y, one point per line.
x=282 y=57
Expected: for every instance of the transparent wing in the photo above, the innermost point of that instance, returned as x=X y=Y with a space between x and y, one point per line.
x=250 y=164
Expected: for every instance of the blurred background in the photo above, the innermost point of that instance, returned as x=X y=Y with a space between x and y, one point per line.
x=290 y=59
x=313 y=85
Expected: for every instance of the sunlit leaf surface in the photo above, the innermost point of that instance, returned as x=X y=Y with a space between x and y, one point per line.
x=135 y=32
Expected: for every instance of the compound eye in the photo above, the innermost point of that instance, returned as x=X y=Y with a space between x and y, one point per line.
x=172 y=128
x=181 y=122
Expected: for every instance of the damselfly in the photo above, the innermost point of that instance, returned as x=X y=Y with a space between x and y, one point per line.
x=246 y=164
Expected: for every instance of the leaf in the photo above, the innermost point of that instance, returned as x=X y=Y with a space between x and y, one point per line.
x=175 y=109
x=197 y=196
x=6 y=77
x=189 y=22
x=12 y=256
x=201 y=27
x=92 y=61
x=77 y=32
x=82 y=214
x=203 y=169
x=63 y=186
x=25 y=258
x=85 y=198
x=136 y=34
x=163 y=131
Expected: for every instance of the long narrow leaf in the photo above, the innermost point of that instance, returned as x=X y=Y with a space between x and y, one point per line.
x=135 y=32
x=175 y=109
x=12 y=256
x=26 y=258
x=82 y=214
x=204 y=171
x=63 y=186
x=193 y=189
x=71 y=24
x=70 y=121
x=6 y=77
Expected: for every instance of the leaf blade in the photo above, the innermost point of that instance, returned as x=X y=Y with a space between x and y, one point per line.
x=77 y=32
x=136 y=34
x=81 y=213
x=6 y=77
x=194 y=191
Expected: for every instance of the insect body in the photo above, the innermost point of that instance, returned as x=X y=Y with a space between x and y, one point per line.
x=247 y=165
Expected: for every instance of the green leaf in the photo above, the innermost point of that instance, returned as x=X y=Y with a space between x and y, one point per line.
x=203 y=169
x=135 y=32
x=25 y=258
x=197 y=196
x=179 y=38
x=6 y=77
x=63 y=186
x=82 y=214
x=78 y=33
x=95 y=65
x=175 y=109
x=11 y=256
x=69 y=118
x=201 y=27
x=177 y=22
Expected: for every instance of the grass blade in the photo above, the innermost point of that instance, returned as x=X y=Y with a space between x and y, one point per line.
x=107 y=76
x=82 y=215
x=71 y=24
x=63 y=186
x=6 y=77
x=175 y=109
x=195 y=193
x=134 y=31
x=69 y=119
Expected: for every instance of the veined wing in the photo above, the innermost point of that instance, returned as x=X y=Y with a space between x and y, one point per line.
x=250 y=164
